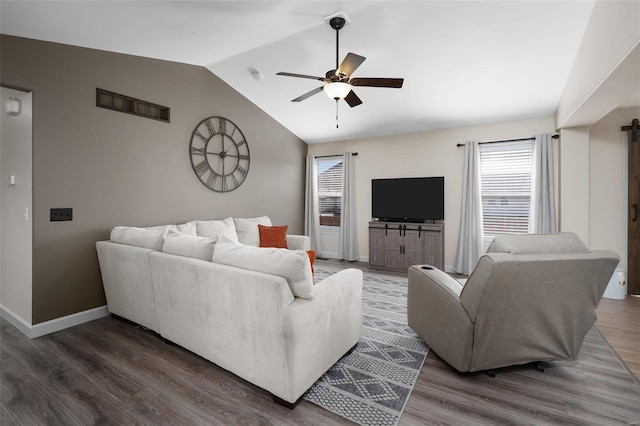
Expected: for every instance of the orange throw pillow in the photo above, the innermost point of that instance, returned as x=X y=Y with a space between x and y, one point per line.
x=273 y=236
x=312 y=258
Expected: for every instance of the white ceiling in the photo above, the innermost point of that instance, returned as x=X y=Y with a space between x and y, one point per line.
x=464 y=62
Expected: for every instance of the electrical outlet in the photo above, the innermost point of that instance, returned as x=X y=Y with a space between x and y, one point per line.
x=58 y=215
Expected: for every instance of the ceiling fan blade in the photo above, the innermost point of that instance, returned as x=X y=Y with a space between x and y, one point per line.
x=350 y=63
x=311 y=77
x=352 y=99
x=308 y=94
x=395 y=83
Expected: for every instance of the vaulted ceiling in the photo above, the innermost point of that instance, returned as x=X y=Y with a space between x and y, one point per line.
x=464 y=62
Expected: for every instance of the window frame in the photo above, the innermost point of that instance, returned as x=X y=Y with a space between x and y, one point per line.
x=329 y=162
x=517 y=175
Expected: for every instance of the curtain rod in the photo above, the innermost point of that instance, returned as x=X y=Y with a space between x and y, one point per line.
x=337 y=155
x=509 y=140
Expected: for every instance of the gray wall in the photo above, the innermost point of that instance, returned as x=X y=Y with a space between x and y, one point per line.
x=119 y=169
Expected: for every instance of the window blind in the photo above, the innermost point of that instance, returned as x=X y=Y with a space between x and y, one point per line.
x=330 y=190
x=505 y=180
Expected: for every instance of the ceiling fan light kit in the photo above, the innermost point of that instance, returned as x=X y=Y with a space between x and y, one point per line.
x=337 y=90
x=338 y=83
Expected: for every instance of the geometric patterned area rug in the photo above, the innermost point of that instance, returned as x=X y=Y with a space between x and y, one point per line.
x=372 y=384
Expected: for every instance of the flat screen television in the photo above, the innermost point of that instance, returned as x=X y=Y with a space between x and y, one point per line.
x=408 y=199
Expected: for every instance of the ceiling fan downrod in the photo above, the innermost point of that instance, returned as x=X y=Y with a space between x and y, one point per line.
x=337 y=23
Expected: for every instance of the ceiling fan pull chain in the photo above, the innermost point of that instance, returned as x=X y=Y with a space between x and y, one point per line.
x=336 y=113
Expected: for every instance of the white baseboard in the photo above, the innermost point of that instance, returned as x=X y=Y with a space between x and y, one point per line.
x=51 y=326
x=449 y=269
x=364 y=259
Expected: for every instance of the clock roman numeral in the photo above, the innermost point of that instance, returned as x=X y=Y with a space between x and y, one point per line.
x=223 y=126
x=242 y=170
x=197 y=151
x=212 y=130
x=224 y=185
x=200 y=135
x=243 y=157
x=211 y=180
x=201 y=168
x=234 y=181
x=242 y=142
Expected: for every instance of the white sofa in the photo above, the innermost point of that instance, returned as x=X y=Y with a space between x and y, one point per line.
x=252 y=311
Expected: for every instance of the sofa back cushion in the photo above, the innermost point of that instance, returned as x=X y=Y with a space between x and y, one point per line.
x=188 y=228
x=188 y=245
x=217 y=228
x=247 y=229
x=141 y=237
x=560 y=243
x=292 y=265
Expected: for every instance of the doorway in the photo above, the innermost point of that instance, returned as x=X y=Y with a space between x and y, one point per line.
x=16 y=205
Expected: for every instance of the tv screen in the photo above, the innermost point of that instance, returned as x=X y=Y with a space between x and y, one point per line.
x=408 y=199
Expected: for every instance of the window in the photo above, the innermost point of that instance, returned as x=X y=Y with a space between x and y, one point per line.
x=505 y=180
x=330 y=190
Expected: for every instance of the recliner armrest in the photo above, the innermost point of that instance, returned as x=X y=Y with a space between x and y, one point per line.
x=434 y=312
x=443 y=280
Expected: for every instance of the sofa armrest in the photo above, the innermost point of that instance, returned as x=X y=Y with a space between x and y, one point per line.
x=434 y=312
x=320 y=331
x=298 y=242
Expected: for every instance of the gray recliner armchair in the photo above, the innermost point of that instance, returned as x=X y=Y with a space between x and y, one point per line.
x=531 y=298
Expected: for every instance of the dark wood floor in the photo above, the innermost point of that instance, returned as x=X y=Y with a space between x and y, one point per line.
x=619 y=322
x=112 y=372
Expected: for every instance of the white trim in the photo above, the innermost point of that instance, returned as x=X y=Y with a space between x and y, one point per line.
x=624 y=255
x=449 y=269
x=51 y=326
x=330 y=255
x=330 y=229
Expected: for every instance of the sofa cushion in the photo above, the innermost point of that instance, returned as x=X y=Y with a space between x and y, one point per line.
x=217 y=228
x=273 y=236
x=141 y=237
x=560 y=243
x=292 y=265
x=184 y=228
x=187 y=245
x=312 y=259
x=247 y=229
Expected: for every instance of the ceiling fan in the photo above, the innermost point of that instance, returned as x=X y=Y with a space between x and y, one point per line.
x=338 y=82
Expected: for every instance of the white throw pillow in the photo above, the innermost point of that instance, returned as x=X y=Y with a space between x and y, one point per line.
x=292 y=265
x=141 y=237
x=188 y=245
x=184 y=228
x=247 y=229
x=217 y=228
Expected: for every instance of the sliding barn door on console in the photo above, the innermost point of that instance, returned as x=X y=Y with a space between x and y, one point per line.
x=633 y=226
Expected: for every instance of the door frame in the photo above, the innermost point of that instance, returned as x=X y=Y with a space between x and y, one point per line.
x=626 y=208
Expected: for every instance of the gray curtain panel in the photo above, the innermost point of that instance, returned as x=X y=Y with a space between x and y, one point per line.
x=311 y=209
x=542 y=214
x=348 y=223
x=470 y=244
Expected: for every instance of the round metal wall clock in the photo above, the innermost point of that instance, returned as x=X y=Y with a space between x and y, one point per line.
x=219 y=154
